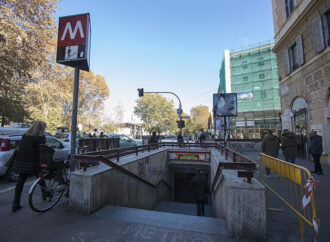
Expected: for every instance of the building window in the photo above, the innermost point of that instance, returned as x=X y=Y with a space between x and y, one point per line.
x=326 y=25
x=245 y=66
x=262 y=76
x=293 y=57
x=320 y=30
x=245 y=78
x=289 y=6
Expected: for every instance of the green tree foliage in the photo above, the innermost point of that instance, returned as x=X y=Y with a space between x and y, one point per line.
x=27 y=30
x=200 y=116
x=156 y=112
x=49 y=97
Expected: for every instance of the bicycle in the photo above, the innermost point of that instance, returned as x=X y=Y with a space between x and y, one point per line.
x=51 y=183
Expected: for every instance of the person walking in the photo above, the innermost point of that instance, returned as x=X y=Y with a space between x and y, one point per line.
x=289 y=146
x=153 y=138
x=316 y=149
x=27 y=160
x=102 y=135
x=202 y=136
x=270 y=146
x=199 y=188
x=180 y=138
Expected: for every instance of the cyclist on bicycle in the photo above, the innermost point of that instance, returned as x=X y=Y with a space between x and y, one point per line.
x=27 y=161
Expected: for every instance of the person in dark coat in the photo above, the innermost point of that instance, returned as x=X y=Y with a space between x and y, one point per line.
x=316 y=149
x=199 y=188
x=27 y=160
x=289 y=146
x=153 y=138
x=270 y=146
x=180 y=138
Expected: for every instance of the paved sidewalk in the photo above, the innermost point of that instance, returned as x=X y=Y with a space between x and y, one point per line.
x=284 y=226
x=62 y=224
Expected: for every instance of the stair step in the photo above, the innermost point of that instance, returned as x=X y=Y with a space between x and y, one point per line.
x=182 y=208
x=163 y=219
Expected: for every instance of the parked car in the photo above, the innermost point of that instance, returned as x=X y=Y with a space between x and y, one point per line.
x=124 y=140
x=67 y=137
x=9 y=143
x=12 y=131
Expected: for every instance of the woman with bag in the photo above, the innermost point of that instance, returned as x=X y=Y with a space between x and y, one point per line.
x=27 y=160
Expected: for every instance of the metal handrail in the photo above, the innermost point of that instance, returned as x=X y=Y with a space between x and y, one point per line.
x=129 y=173
x=237 y=158
x=119 y=152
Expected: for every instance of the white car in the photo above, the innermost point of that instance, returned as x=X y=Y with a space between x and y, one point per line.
x=9 y=143
x=124 y=140
x=67 y=138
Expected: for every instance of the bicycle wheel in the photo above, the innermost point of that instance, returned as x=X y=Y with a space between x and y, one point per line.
x=45 y=193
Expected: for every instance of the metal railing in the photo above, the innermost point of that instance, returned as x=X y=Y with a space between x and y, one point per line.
x=244 y=166
x=287 y=182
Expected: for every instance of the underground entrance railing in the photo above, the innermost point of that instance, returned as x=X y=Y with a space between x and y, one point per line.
x=245 y=167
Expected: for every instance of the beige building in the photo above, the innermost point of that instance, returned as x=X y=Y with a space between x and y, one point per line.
x=302 y=42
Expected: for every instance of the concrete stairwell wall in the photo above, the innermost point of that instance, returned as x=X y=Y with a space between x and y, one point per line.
x=102 y=185
x=243 y=205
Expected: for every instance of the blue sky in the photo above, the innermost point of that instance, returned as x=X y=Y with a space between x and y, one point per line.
x=167 y=45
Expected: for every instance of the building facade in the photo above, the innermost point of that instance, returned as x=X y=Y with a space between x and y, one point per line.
x=301 y=29
x=252 y=74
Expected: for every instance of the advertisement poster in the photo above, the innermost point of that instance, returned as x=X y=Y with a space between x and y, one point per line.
x=225 y=104
x=244 y=95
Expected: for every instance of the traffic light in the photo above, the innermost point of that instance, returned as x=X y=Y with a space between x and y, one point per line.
x=181 y=123
x=140 y=90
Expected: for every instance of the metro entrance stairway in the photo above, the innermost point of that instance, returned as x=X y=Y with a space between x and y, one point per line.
x=148 y=225
x=145 y=181
x=182 y=208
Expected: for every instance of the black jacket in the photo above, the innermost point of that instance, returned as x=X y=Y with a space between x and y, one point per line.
x=27 y=160
x=270 y=145
x=315 y=146
x=199 y=187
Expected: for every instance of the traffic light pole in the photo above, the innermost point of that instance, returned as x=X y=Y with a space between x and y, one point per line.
x=180 y=107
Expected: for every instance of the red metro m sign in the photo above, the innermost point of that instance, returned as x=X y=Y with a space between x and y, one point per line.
x=73 y=44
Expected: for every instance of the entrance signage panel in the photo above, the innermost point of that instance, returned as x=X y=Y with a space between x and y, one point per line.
x=73 y=44
x=188 y=156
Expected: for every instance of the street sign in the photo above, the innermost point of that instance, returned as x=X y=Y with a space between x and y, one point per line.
x=73 y=43
x=185 y=117
x=179 y=110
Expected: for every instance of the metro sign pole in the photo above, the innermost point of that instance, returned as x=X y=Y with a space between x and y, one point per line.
x=73 y=49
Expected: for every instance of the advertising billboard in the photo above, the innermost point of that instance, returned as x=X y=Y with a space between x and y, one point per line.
x=244 y=95
x=225 y=104
x=73 y=43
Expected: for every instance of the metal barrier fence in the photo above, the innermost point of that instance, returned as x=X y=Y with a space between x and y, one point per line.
x=287 y=182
